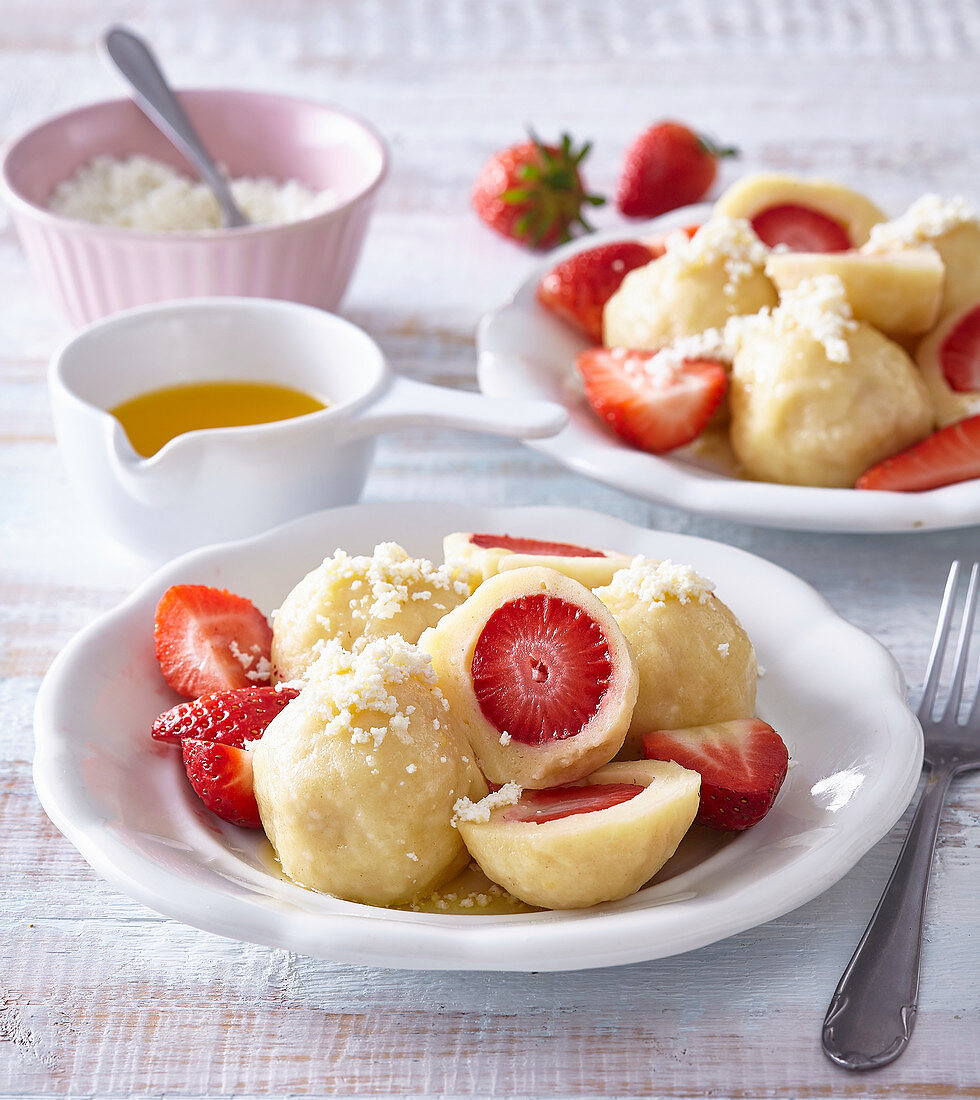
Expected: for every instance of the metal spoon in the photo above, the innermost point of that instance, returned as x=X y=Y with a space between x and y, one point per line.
x=155 y=98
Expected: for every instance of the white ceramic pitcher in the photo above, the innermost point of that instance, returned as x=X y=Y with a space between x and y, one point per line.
x=224 y=483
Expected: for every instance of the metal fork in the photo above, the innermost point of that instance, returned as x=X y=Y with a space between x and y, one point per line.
x=870 y=1019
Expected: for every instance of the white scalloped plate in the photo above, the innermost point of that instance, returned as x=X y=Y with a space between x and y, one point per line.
x=525 y=351
x=833 y=692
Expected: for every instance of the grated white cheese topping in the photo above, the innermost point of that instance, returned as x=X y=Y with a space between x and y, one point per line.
x=652 y=582
x=262 y=671
x=465 y=810
x=925 y=220
x=390 y=578
x=344 y=685
x=142 y=193
x=730 y=241
x=817 y=307
x=723 y=648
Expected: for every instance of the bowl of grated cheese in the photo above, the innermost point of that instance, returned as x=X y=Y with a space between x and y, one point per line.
x=111 y=215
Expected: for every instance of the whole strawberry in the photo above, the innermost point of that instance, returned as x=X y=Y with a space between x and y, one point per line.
x=533 y=193
x=667 y=166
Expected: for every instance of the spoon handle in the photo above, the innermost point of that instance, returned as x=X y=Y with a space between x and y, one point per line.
x=153 y=95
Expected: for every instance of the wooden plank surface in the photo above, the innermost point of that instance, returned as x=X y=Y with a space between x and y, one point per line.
x=99 y=996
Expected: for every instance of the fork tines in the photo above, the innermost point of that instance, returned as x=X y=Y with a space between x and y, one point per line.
x=947 y=613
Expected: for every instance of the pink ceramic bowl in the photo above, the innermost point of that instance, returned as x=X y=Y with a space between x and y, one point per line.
x=93 y=270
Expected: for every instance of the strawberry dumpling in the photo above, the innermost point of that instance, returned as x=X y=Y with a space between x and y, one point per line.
x=949 y=358
x=486 y=554
x=696 y=285
x=950 y=227
x=805 y=215
x=357 y=778
x=817 y=397
x=538 y=676
x=597 y=840
x=696 y=664
x=351 y=598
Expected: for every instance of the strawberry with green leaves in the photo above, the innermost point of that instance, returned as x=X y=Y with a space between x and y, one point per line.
x=533 y=193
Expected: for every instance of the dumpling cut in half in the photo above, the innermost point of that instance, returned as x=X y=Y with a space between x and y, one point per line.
x=577 y=845
x=538 y=675
x=486 y=554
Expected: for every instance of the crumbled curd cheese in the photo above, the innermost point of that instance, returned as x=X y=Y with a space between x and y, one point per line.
x=465 y=810
x=730 y=241
x=817 y=307
x=723 y=648
x=142 y=193
x=652 y=582
x=343 y=685
x=925 y=220
x=505 y=738
x=262 y=671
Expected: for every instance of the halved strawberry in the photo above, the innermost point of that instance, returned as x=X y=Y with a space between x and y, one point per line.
x=535 y=546
x=950 y=455
x=654 y=406
x=960 y=354
x=742 y=765
x=553 y=803
x=221 y=776
x=540 y=668
x=231 y=717
x=208 y=639
x=578 y=288
x=800 y=228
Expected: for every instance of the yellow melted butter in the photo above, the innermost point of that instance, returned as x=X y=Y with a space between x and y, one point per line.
x=469 y=894
x=152 y=419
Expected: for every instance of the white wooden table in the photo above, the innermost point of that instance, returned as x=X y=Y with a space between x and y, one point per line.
x=101 y=997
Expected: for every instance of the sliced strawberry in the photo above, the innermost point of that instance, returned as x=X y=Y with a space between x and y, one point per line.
x=578 y=288
x=655 y=407
x=800 y=228
x=208 y=639
x=950 y=455
x=535 y=546
x=221 y=776
x=959 y=354
x=557 y=802
x=742 y=765
x=231 y=717
x=540 y=668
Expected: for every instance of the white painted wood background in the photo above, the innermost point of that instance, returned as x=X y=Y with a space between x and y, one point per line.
x=101 y=997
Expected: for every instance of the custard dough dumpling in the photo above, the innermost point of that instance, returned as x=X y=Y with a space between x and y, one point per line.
x=950 y=383
x=351 y=598
x=953 y=230
x=538 y=675
x=696 y=285
x=801 y=213
x=817 y=398
x=696 y=663
x=357 y=778
x=547 y=855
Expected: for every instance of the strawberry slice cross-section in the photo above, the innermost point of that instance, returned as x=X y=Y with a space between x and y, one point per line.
x=221 y=776
x=554 y=803
x=208 y=639
x=742 y=764
x=653 y=404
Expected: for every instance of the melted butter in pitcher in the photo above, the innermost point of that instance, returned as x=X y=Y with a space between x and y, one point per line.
x=152 y=419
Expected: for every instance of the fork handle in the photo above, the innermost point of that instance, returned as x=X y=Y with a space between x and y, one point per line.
x=870 y=1018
